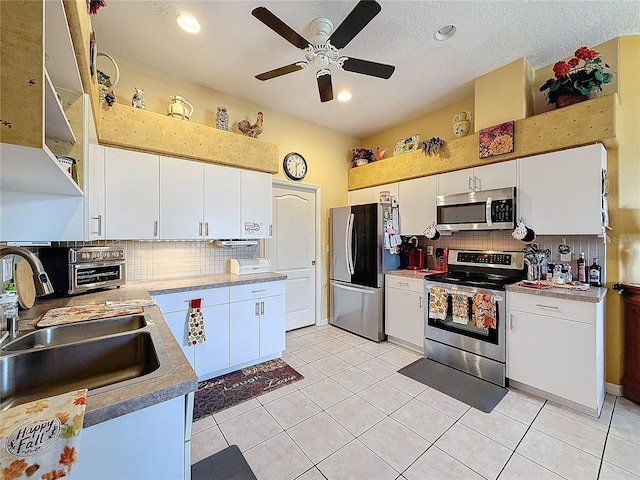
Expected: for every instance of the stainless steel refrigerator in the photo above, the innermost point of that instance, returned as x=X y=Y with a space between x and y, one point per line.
x=358 y=262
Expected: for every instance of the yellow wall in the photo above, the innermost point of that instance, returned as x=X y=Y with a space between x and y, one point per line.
x=438 y=123
x=327 y=151
x=507 y=87
x=623 y=253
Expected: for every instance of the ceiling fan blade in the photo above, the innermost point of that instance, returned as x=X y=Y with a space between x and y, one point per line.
x=294 y=67
x=281 y=28
x=351 y=26
x=325 y=86
x=366 y=67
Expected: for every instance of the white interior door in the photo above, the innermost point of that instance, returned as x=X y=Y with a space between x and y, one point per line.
x=292 y=251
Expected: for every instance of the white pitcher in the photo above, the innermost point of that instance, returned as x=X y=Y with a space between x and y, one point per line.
x=179 y=108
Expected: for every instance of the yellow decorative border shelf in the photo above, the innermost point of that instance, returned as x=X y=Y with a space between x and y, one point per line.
x=593 y=121
x=135 y=129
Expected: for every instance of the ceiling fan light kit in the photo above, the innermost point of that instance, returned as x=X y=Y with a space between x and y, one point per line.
x=325 y=51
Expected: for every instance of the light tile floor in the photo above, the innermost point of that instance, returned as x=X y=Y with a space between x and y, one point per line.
x=353 y=417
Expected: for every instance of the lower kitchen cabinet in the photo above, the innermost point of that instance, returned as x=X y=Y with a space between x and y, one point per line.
x=211 y=356
x=555 y=349
x=244 y=325
x=150 y=443
x=257 y=322
x=404 y=311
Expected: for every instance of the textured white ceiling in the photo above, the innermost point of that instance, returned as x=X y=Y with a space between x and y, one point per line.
x=233 y=47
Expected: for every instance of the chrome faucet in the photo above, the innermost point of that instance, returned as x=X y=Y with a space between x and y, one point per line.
x=40 y=277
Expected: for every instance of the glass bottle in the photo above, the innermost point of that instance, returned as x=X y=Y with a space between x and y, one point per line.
x=582 y=269
x=595 y=274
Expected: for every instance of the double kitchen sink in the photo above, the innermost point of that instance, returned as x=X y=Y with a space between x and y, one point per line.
x=100 y=355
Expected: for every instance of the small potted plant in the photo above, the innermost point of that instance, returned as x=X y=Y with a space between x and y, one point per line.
x=576 y=78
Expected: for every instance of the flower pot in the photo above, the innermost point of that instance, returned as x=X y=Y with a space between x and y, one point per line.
x=570 y=99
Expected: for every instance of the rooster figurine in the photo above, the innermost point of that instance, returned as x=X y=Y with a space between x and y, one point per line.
x=254 y=130
x=380 y=154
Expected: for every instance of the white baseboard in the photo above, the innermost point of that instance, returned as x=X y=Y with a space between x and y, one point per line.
x=613 y=389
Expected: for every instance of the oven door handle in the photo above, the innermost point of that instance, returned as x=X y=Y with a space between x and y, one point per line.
x=488 y=211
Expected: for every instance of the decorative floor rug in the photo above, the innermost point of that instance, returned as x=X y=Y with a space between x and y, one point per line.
x=227 y=464
x=471 y=390
x=228 y=390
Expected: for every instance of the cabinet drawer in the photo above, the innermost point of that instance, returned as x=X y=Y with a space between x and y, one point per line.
x=584 y=312
x=404 y=283
x=175 y=302
x=239 y=293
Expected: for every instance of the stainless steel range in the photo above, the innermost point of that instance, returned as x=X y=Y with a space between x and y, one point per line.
x=465 y=318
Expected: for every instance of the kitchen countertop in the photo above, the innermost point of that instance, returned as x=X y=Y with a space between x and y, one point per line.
x=593 y=295
x=181 y=379
x=412 y=273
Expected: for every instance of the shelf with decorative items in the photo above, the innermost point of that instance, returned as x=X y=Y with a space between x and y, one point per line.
x=142 y=130
x=592 y=121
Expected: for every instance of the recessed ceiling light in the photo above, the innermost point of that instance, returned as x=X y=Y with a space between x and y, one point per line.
x=188 y=23
x=445 y=33
x=344 y=96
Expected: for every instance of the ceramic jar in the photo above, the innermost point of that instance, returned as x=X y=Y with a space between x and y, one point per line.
x=462 y=124
x=179 y=108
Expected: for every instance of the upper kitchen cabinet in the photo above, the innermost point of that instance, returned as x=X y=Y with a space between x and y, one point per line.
x=256 y=206
x=485 y=177
x=372 y=194
x=132 y=192
x=40 y=99
x=563 y=193
x=94 y=198
x=418 y=205
x=198 y=200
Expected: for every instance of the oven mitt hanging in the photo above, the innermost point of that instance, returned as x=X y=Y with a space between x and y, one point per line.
x=195 y=319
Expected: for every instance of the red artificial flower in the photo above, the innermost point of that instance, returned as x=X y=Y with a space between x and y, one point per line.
x=584 y=53
x=561 y=69
x=573 y=62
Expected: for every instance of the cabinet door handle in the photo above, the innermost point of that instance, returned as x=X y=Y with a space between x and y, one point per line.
x=259 y=291
x=200 y=229
x=99 y=219
x=403 y=283
x=511 y=321
x=257 y=309
x=420 y=301
x=261 y=308
x=206 y=229
x=477 y=185
x=155 y=228
x=470 y=183
x=553 y=307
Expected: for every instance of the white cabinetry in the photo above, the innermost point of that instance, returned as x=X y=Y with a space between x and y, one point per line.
x=132 y=194
x=555 y=348
x=485 y=177
x=149 y=443
x=257 y=322
x=560 y=193
x=211 y=356
x=404 y=311
x=418 y=206
x=95 y=207
x=256 y=204
x=222 y=201
x=372 y=194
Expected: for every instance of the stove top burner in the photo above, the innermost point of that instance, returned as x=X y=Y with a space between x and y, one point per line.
x=493 y=282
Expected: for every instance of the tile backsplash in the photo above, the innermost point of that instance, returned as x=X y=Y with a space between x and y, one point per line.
x=166 y=260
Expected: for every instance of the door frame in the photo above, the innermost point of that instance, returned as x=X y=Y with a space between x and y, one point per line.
x=314 y=189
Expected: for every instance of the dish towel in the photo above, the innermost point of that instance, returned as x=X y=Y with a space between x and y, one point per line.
x=460 y=307
x=484 y=311
x=438 y=303
x=195 y=319
x=40 y=439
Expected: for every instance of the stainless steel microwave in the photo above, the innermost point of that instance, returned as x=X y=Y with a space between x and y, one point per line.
x=482 y=210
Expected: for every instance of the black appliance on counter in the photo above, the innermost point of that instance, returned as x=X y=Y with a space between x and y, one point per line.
x=452 y=336
x=74 y=270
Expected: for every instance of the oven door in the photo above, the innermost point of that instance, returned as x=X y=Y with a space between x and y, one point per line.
x=456 y=323
x=89 y=276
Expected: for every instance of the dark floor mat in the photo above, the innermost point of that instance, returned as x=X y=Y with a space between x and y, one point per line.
x=227 y=464
x=471 y=390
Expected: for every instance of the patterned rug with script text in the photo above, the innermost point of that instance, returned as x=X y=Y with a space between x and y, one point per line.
x=228 y=390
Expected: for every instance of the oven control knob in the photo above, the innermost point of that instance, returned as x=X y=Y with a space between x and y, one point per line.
x=115 y=254
x=85 y=256
x=96 y=255
x=105 y=255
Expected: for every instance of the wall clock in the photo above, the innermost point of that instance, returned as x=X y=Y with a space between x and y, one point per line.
x=295 y=166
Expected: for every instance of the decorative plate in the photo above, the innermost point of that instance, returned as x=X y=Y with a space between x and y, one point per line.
x=407 y=145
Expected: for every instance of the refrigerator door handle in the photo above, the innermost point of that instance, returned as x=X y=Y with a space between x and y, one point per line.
x=348 y=244
x=354 y=289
